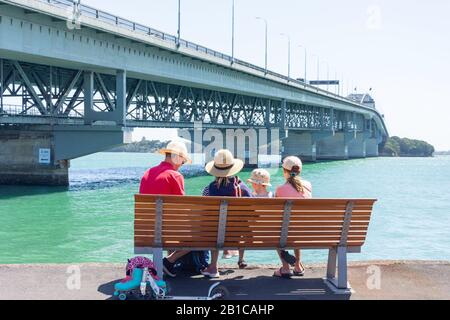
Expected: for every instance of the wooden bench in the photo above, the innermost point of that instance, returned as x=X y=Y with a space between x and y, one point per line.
x=207 y=223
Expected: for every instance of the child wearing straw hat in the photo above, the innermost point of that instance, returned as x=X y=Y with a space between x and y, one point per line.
x=226 y=184
x=260 y=180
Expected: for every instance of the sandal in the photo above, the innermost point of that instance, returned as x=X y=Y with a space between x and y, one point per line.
x=300 y=273
x=289 y=258
x=242 y=265
x=280 y=274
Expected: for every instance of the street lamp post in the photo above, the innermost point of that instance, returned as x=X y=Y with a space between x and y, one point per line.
x=289 y=53
x=306 y=62
x=179 y=23
x=336 y=78
x=265 y=21
x=328 y=74
x=232 y=34
x=318 y=66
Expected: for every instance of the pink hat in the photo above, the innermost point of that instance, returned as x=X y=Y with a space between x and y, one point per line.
x=293 y=164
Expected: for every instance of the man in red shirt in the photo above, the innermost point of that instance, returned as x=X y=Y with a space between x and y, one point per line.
x=165 y=179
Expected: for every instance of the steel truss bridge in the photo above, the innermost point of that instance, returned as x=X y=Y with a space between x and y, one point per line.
x=38 y=94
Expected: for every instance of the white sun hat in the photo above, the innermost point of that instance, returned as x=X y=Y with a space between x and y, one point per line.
x=224 y=165
x=178 y=148
x=261 y=177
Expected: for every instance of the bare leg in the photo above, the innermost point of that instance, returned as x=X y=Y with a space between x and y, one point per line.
x=241 y=262
x=298 y=265
x=214 y=260
x=241 y=255
x=286 y=267
x=228 y=254
x=174 y=256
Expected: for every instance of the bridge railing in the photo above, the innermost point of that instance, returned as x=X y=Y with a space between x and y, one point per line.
x=139 y=28
x=19 y=110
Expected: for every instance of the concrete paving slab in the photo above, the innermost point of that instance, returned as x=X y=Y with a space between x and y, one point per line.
x=369 y=280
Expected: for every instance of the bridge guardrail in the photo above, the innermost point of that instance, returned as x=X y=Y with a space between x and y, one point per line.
x=136 y=27
x=18 y=110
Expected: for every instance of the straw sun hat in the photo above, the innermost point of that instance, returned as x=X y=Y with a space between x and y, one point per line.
x=178 y=148
x=224 y=165
x=261 y=177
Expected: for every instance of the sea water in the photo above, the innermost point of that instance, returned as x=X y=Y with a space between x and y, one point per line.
x=92 y=220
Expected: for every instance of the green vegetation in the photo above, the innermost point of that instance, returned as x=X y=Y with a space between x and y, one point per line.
x=398 y=147
x=144 y=146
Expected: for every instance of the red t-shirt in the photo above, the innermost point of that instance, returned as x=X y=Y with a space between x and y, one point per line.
x=162 y=180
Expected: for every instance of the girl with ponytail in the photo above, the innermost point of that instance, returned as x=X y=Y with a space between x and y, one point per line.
x=294 y=188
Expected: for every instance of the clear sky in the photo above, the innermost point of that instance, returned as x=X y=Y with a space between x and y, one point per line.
x=399 y=48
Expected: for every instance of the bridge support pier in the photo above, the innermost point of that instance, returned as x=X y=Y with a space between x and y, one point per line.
x=357 y=146
x=41 y=155
x=334 y=147
x=301 y=144
x=372 y=147
x=28 y=158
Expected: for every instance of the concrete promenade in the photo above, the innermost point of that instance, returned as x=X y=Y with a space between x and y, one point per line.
x=397 y=280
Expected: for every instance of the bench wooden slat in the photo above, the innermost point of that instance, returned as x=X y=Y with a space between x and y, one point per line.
x=254 y=246
x=241 y=229
x=255 y=224
x=300 y=224
x=253 y=214
x=213 y=232
x=279 y=207
x=167 y=236
x=196 y=199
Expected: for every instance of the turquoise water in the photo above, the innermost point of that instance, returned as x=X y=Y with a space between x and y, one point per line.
x=92 y=221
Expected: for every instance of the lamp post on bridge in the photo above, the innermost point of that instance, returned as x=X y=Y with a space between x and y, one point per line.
x=289 y=53
x=328 y=74
x=306 y=61
x=232 y=34
x=338 y=89
x=265 y=21
x=318 y=66
x=179 y=24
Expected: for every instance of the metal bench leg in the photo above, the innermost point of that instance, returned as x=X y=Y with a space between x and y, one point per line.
x=331 y=267
x=158 y=261
x=342 y=268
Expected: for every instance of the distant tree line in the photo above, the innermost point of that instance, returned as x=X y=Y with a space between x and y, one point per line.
x=143 y=146
x=398 y=147
x=442 y=153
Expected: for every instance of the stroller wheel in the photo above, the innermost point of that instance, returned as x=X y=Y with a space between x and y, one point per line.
x=221 y=293
x=122 y=296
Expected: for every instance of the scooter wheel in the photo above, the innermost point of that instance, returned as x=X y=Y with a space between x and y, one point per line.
x=122 y=296
x=221 y=292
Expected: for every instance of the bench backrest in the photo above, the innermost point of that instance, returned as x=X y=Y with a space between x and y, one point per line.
x=174 y=222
